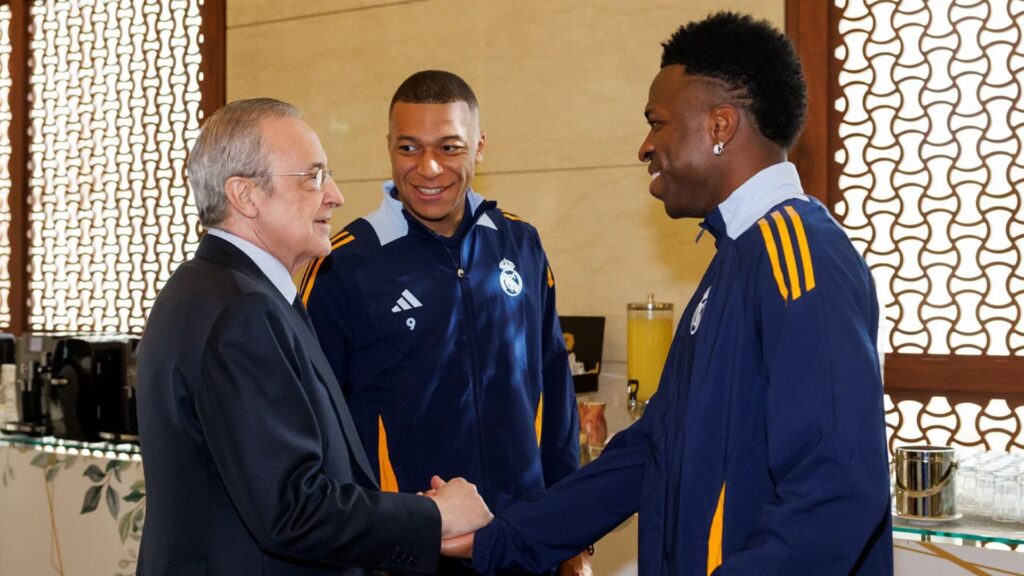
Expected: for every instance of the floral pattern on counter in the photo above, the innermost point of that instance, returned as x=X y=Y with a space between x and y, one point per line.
x=125 y=506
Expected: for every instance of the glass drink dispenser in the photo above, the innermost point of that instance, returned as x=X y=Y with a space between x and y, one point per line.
x=648 y=336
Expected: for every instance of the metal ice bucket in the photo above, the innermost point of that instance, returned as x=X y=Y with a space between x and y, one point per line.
x=926 y=482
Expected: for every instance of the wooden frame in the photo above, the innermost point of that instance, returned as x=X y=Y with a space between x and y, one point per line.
x=212 y=86
x=813 y=27
x=21 y=48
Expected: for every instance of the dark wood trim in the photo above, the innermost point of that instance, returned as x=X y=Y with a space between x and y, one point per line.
x=834 y=92
x=939 y=375
x=213 y=86
x=19 y=200
x=807 y=25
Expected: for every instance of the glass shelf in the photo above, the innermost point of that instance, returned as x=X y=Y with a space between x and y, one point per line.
x=102 y=449
x=971 y=528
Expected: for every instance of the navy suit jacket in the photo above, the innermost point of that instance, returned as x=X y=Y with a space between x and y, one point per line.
x=251 y=460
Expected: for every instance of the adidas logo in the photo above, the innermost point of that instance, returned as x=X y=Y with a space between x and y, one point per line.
x=406 y=302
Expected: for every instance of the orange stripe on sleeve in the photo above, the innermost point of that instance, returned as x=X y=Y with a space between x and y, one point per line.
x=307 y=288
x=805 y=249
x=342 y=240
x=787 y=251
x=773 y=256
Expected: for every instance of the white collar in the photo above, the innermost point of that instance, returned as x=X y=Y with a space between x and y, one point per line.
x=755 y=197
x=389 y=223
x=271 y=267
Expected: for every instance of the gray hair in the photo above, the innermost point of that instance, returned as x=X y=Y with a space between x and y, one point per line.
x=229 y=144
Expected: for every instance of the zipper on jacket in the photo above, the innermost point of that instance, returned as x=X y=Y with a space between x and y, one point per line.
x=476 y=380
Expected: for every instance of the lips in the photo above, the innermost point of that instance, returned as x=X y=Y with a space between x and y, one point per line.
x=655 y=181
x=432 y=191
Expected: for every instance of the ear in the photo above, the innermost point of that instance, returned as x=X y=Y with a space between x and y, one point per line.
x=480 y=145
x=241 y=195
x=724 y=122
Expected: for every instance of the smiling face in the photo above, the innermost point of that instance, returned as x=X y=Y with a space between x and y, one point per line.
x=434 y=149
x=293 y=219
x=685 y=175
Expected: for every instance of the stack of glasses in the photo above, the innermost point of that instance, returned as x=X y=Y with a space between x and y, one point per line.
x=991 y=484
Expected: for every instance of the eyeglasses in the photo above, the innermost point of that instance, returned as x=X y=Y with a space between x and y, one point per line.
x=319 y=174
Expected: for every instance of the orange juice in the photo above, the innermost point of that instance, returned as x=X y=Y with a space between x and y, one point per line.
x=648 y=337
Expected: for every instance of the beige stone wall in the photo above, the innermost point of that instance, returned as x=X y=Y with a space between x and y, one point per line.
x=562 y=86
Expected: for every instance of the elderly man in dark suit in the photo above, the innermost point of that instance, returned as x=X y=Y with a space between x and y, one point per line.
x=252 y=462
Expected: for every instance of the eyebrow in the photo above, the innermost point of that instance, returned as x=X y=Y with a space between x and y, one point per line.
x=311 y=167
x=418 y=141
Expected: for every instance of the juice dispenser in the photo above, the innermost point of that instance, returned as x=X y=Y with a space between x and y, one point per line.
x=648 y=336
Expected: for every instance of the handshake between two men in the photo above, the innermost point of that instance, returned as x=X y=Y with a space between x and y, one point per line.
x=463 y=512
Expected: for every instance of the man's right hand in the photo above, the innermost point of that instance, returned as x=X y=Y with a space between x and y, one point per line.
x=462 y=509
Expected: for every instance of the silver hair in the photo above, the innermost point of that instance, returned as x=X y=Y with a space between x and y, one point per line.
x=229 y=144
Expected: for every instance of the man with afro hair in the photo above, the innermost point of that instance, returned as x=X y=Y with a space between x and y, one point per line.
x=763 y=452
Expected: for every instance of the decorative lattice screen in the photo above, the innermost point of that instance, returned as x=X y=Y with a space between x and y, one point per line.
x=5 y=159
x=931 y=124
x=115 y=106
x=995 y=426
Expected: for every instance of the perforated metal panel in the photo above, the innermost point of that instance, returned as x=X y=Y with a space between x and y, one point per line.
x=115 y=106
x=932 y=126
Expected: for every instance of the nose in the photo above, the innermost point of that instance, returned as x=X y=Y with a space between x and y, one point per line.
x=428 y=167
x=646 y=150
x=332 y=194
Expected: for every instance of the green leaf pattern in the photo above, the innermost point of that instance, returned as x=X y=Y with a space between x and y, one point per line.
x=92 y=499
x=112 y=502
x=130 y=523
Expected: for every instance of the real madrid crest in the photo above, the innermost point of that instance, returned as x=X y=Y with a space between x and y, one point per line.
x=699 y=312
x=510 y=280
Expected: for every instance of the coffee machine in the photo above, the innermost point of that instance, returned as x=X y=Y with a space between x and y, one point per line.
x=33 y=352
x=115 y=376
x=92 y=388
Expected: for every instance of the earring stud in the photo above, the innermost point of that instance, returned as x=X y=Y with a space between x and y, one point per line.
x=718 y=148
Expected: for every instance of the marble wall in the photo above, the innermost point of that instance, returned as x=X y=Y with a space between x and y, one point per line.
x=562 y=86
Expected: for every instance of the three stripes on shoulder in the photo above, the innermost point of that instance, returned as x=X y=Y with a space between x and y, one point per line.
x=792 y=250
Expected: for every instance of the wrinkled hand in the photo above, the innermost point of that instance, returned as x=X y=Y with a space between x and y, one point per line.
x=459 y=546
x=462 y=509
x=575 y=566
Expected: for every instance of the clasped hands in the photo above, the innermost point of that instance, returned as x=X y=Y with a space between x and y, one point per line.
x=463 y=512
